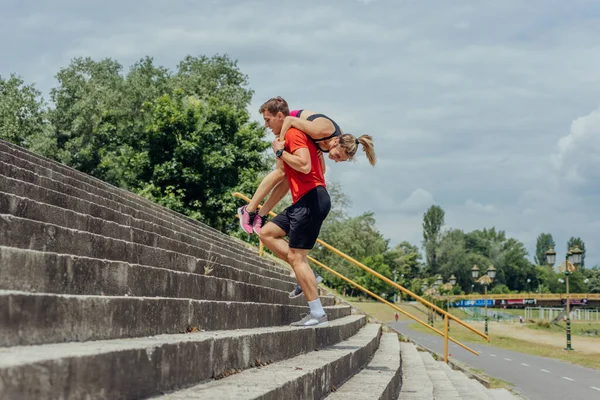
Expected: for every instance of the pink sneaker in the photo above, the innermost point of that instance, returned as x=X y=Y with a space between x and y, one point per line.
x=258 y=223
x=245 y=218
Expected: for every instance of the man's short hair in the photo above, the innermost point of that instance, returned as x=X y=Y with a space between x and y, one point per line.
x=275 y=105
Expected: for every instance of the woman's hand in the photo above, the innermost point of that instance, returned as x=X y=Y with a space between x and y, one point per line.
x=277 y=145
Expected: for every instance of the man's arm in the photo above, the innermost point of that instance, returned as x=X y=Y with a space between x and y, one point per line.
x=298 y=160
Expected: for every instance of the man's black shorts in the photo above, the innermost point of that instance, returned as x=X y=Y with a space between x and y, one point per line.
x=302 y=221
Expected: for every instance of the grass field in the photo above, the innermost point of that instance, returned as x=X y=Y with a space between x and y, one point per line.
x=385 y=314
x=578 y=328
x=589 y=360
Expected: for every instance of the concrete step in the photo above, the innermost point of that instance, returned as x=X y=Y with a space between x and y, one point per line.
x=32 y=210
x=443 y=389
x=308 y=376
x=502 y=394
x=28 y=234
x=138 y=368
x=416 y=384
x=39 y=318
x=380 y=379
x=60 y=195
x=150 y=224
x=51 y=168
x=463 y=384
x=477 y=389
x=35 y=271
x=26 y=166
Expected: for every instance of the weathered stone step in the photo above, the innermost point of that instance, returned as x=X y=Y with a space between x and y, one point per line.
x=464 y=385
x=168 y=229
x=416 y=384
x=137 y=368
x=38 y=318
x=100 y=205
x=308 y=376
x=32 y=210
x=34 y=271
x=443 y=389
x=501 y=394
x=380 y=379
x=57 y=174
x=51 y=168
x=28 y=234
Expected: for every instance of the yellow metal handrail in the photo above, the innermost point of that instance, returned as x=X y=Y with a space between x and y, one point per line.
x=367 y=291
x=447 y=316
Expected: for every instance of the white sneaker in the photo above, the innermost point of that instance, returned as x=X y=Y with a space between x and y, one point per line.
x=309 y=320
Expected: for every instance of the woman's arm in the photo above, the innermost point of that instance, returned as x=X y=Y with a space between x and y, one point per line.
x=322 y=159
x=318 y=129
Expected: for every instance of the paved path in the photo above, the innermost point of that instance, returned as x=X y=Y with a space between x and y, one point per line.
x=536 y=378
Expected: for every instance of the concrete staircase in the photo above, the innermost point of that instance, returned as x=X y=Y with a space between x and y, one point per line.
x=105 y=295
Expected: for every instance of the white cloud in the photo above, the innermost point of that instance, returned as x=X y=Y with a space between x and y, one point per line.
x=578 y=156
x=484 y=208
x=418 y=201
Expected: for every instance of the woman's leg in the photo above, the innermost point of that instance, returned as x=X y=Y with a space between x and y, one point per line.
x=247 y=213
x=266 y=185
x=276 y=195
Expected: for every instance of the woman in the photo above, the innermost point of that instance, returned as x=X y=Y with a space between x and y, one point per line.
x=328 y=137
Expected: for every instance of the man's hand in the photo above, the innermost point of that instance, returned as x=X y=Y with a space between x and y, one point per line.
x=277 y=145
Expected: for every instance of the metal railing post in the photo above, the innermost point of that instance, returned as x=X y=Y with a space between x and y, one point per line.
x=446 y=322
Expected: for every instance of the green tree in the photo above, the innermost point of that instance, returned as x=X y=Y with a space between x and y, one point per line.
x=433 y=220
x=543 y=243
x=374 y=284
x=404 y=259
x=593 y=277
x=22 y=113
x=89 y=116
x=576 y=241
x=514 y=268
x=204 y=151
x=217 y=78
x=357 y=237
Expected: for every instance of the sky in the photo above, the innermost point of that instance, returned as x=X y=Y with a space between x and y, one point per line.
x=489 y=109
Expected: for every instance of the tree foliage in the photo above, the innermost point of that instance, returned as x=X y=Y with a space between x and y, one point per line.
x=433 y=221
x=543 y=243
x=22 y=112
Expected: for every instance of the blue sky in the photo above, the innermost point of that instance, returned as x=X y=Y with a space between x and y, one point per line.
x=490 y=109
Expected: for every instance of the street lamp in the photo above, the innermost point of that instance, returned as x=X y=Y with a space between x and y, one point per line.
x=572 y=259
x=439 y=280
x=452 y=280
x=485 y=280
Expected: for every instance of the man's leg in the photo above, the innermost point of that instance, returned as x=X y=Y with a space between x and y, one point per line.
x=304 y=274
x=272 y=237
x=306 y=279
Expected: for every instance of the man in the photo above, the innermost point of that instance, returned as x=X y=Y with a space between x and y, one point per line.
x=301 y=221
